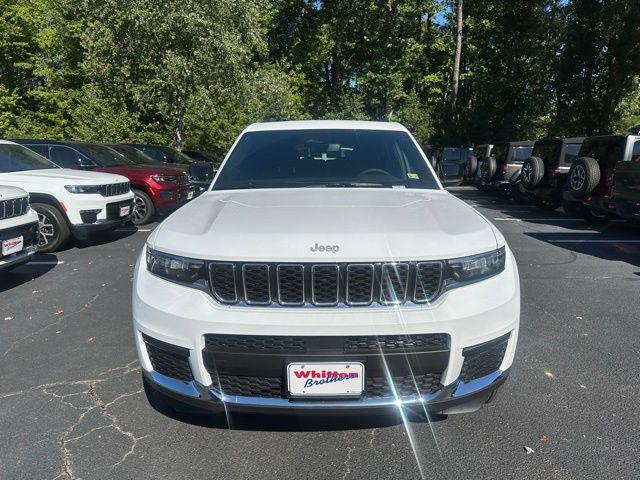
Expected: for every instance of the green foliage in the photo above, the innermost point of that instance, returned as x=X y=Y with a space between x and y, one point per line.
x=196 y=72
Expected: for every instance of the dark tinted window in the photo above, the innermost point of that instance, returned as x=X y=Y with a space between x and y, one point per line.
x=104 y=156
x=133 y=154
x=154 y=153
x=16 y=158
x=571 y=152
x=607 y=151
x=500 y=153
x=64 y=157
x=520 y=154
x=635 y=154
x=40 y=149
x=306 y=158
x=547 y=151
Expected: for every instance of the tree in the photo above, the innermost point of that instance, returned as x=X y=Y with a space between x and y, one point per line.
x=456 y=63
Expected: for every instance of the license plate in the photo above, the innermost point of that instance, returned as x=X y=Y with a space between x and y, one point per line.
x=124 y=211
x=12 y=245
x=189 y=195
x=325 y=379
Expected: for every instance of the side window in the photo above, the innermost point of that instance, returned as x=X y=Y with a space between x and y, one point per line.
x=155 y=154
x=40 y=150
x=635 y=154
x=64 y=156
x=571 y=152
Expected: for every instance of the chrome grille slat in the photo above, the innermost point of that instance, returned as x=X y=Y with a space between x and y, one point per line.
x=113 y=189
x=15 y=207
x=393 y=283
x=325 y=284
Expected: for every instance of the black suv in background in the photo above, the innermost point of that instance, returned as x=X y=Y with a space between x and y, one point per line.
x=592 y=174
x=450 y=164
x=201 y=157
x=503 y=166
x=474 y=163
x=545 y=172
x=626 y=186
x=200 y=173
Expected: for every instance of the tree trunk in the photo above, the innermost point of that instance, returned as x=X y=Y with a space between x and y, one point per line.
x=456 y=62
x=178 y=127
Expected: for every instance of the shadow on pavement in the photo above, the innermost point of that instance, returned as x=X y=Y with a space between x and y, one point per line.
x=27 y=272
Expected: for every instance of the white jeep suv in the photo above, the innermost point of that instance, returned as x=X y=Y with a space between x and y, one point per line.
x=68 y=202
x=18 y=228
x=326 y=270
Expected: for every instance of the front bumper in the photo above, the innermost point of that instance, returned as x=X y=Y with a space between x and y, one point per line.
x=29 y=233
x=92 y=222
x=169 y=198
x=469 y=316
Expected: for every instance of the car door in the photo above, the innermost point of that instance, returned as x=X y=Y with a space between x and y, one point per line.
x=626 y=178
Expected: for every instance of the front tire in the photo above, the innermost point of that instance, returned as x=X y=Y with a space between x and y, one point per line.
x=143 y=208
x=53 y=231
x=547 y=204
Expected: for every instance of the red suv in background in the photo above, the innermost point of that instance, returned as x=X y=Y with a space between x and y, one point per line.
x=156 y=188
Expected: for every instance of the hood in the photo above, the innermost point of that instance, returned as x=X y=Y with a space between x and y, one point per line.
x=9 y=193
x=62 y=175
x=289 y=225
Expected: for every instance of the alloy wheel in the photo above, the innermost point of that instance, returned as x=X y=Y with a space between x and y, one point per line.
x=47 y=230
x=139 y=208
x=527 y=173
x=578 y=177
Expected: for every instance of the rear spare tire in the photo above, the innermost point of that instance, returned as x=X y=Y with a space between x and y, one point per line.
x=489 y=168
x=584 y=175
x=532 y=172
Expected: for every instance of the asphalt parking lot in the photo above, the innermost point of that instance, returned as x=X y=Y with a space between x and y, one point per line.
x=72 y=404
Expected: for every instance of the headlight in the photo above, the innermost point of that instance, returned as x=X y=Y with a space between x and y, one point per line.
x=461 y=271
x=186 y=271
x=82 y=188
x=165 y=178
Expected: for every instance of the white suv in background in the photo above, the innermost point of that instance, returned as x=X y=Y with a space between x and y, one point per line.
x=18 y=228
x=68 y=202
x=326 y=270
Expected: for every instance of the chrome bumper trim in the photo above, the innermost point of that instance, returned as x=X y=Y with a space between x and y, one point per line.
x=19 y=257
x=456 y=392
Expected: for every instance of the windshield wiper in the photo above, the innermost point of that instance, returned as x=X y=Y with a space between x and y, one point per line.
x=346 y=185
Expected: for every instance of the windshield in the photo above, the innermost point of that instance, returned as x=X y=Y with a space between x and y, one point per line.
x=331 y=158
x=132 y=154
x=104 y=156
x=178 y=157
x=16 y=158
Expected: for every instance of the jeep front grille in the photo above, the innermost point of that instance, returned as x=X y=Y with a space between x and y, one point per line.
x=14 y=208
x=113 y=189
x=325 y=285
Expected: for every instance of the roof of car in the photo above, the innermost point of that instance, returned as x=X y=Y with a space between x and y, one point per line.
x=519 y=143
x=325 y=124
x=563 y=140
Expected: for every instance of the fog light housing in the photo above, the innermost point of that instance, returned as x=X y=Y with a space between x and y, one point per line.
x=166 y=195
x=89 y=216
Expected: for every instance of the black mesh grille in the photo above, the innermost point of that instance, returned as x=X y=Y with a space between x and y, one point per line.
x=395 y=277
x=168 y=359
x=255 y=278
x=13 y=208
x=428 y=281
x=360 y=284
x=113 y=209
x=255 y=343
x=291 y=284
x=269 y=387
x=404 y=386
x=113 y=189
x=354 y=284
x=483 y=359
x=376 y=387
x=223 y=282
x=325 y=280
x=396 y=342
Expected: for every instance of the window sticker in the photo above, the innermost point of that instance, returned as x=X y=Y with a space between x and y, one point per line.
x=413 y=176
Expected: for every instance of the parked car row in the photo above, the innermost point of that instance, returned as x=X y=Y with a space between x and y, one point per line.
x=51 y=191
x=595 y=177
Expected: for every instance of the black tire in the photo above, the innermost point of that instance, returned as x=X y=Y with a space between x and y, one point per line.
x=489 y=169
x=532 y=172
x=584 y=176
x=547 y=204
x=519 y=195
x=595 y=216
x=143 y=208
x=574 y=209
x=471 y=167
x=53 y=229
